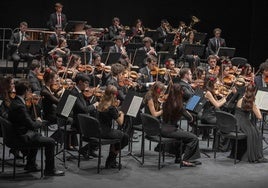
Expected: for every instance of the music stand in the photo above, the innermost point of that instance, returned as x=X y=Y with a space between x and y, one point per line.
x=105 y=45
x=113 y=58
x=194 y=49
x=153 y=34
x=73 y=26
x=138 y=57
x=130 y=107
x=74 y=45
x=84 y=56
x=170 y=37
x=200 y=37
x=262 y=103
x=30 y=46
x=226 y=51
x=133 y=46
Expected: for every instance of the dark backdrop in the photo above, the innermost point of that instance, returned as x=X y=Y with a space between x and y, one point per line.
x=243 y=28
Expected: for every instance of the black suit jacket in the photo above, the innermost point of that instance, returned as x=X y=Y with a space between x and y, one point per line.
x=14 y=41
x=212 y=48
x=80 y=106
x=53 y=21
x=20 y=118
x=258 y=81
x=34 y=82
x=188 y=91
x=49 y=104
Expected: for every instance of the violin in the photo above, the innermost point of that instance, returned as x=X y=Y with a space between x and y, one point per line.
x=214 y=70
x=162 y=98
x=83 y=68
x=266 y=79
x=229 y=80
x=32 y=99
x=157 y=70
x=221 y=90
x=40 y=76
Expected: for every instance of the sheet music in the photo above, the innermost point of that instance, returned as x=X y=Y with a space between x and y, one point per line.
x=68 y=105
x=134 y=106
x=261 y=100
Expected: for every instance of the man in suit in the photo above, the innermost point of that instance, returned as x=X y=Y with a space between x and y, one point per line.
x=33 y=79
x=14 y=44
x=147 y=48
x=114 y=28
x=185 y=82
x=215 y=42
x=81 y=107
x=26 y=131
x=162 y=34
x=57 y=18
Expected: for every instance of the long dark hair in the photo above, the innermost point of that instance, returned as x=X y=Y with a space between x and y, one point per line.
x=249 y=97
x=172 y=108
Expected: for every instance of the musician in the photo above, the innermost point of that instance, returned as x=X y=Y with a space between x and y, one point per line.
x=57 y=18
x=57 y=66
x=53 y=40
x=72 y=70
x=146 y=79
x=172 y=111
x=192 y=59
x=185 y=82
x=118 y=47
x=114 y=28
x=182 y=29
x=261 y=80
x=62 y=50
x=147 y=48
x=35 y=83
x=212 y=67
x=172 y=73
x=25 y=129
x=138 y=31
x=92 y=48
x=7 y=93
x=107 y=112
x=13 y=47
x=162 y=34
x=215 y=42
x=100 y=74
x=80 y=106
x=84 y=38
x=116 y=76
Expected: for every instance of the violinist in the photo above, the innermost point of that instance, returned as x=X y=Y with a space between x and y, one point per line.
x=57 y=66
x=101 y=72
x=35 y=83
x=199 y=78
x=172 y=72
x=185 y=82
x=225 y=76
x=7 y=93
x=81 y=107
x=212 y=68
x=261 y=80
x=247 y=73
x=146 y=79
x=72 y=70
x=117 y=75
x=107 y=112
x=147 y=48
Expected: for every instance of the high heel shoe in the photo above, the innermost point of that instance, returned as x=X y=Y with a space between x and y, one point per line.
x=16 y=153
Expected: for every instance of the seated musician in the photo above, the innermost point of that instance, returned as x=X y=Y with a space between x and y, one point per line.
x=192 y=59
x=80 y=106
x=62 y=50
x=261 y=80
x=7 y=93
x=172 y=73
x=14 y=44
x=138 y=31
x=118 y=47
x=25 y=128
x=92 y=49
x=32 y=77
x=149 y=50
x=185 y=82
x=146 y=79
x=107 y=112
x=114 y=28
x=84 y=38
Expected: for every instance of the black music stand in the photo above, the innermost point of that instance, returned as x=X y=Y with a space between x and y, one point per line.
x=110 y=58
x=200 y=37
x=84 y=56
x=130 y=107
x=74 y=45
x=170 y=37
x=73 y=26
x=105 y=45
x=226 y=51
x=133 y=46
x=194 y=49
x=153 y=34
x=138 y=57
x=63 y=111
x=262 y=103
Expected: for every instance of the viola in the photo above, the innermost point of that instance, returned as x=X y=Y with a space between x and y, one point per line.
x=214 y=70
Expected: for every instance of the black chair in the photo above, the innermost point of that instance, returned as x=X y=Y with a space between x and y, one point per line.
x=91 y=133
x=152 y=131
x=227 y=127
x=9 y=140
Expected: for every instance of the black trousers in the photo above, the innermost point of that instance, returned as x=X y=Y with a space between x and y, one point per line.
x=113 y=133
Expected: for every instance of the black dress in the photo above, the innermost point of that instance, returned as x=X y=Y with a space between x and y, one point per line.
x=251 y=149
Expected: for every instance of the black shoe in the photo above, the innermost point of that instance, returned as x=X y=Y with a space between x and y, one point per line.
x=177 y=160
x=54 y=173
x=32 y=168
x=85 y=155
x=91 y=153
x=113 y=164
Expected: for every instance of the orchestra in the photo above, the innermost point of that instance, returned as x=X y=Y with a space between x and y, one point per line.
x=101 y=81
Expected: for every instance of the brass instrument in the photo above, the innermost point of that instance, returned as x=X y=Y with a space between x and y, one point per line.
x=193 y=22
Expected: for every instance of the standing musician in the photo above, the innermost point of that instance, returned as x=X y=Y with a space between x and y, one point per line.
x=149 y=50
x=14 y=44
x=215 y=42
x=57 y=18
x=26 y=134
